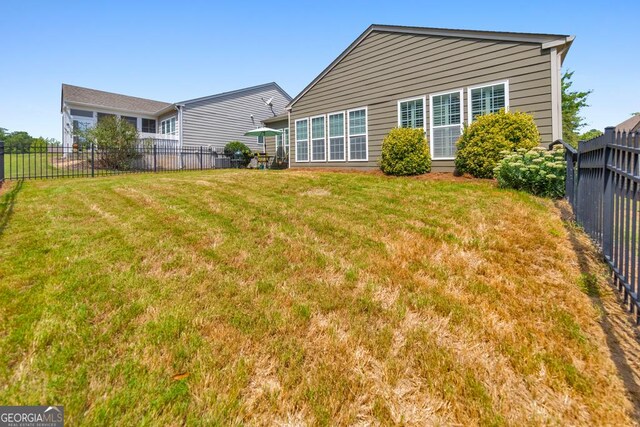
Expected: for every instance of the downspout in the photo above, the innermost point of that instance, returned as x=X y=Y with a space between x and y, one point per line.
x=289 y=126
x=179 y=108
x=556 y=96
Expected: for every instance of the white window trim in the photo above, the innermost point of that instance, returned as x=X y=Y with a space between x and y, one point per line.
x=366 y=134
x=175 y=127
x=433 y=95
x=311 y=138
x=344 y=137
x=506 y=95
x=295 y=126
x=424 y=110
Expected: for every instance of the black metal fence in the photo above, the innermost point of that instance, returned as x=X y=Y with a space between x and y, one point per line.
x=603 y=187
x=19 y=162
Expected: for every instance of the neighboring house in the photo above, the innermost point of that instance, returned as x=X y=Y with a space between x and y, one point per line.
x=435 y=79
x=210 y=121
x=632 y=124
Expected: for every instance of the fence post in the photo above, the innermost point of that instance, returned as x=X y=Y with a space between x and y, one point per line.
x=201 y=157
x=155 y=155
x=576 y=184
x=1 y=163
x=607 y=197
x=93 y=160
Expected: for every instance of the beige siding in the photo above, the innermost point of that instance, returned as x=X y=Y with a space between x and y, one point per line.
x=271 y=140
x=386 y=67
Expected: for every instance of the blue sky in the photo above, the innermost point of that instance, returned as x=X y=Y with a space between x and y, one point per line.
x=172 y=51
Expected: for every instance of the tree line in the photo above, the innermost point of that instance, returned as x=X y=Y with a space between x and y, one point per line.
x=21 y=142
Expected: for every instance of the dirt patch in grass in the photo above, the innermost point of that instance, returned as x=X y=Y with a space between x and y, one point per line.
x=305 y=298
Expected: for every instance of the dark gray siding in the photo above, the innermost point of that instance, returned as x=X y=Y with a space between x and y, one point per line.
x=387 y=67
x=219 y=120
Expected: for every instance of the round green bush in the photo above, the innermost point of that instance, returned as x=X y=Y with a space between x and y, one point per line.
x=537 y=171
x=405 y=152
x=234 y=147
x=482 y=142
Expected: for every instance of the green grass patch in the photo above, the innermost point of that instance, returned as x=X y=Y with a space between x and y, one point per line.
x=241 y=297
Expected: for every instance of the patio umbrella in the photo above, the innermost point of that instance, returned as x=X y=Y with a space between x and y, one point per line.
x=263 y=132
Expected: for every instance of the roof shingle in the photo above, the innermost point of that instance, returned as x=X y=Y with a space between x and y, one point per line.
x=83 y=95
x=632 y=124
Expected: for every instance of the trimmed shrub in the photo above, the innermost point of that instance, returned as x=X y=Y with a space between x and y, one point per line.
x=405 y=152
x=483 y=141
x=234 y=149
x=537 y=171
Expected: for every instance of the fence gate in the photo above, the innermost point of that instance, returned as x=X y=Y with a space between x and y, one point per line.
x=603 y=177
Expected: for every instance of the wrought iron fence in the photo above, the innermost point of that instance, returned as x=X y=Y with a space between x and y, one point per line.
x=603 y=187
x=18 y=161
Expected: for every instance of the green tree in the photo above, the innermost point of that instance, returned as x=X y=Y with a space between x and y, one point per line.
x=572 y=103
x=18 y=142
x=590 y=134
x=38 y=145
x=116 y=142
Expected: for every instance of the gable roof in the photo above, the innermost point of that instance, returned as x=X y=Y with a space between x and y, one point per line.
x=546 y=40
x=275 y=119
x=116 y=101
x=632 y=124
x=239 y=91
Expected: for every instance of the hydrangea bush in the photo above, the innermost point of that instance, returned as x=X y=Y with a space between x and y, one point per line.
x=537 y=171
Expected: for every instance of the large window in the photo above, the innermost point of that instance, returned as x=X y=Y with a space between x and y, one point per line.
x=102 y=116
x=168 y=126
x=411 y=113
x=302 y=140
x=357 y=130
x=446 y=123
x=133 y=121
x=488 y=99
x=149 y=125
x=336 y=136
x=318 y=139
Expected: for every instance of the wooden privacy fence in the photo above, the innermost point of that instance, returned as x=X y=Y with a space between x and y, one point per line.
x=603 y=186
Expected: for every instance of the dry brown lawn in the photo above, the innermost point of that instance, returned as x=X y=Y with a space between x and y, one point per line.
x=306 y=298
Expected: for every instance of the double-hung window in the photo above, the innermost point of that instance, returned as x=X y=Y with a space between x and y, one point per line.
x=411 y=113
x=336 y=136
x=446 y=123
x=302 y=140
x=318 y=139
x=168 y=126
x=357 y=131
x=488 y=99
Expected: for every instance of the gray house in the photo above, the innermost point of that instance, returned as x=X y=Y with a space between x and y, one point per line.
x=429 y=78
x=210 y=121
